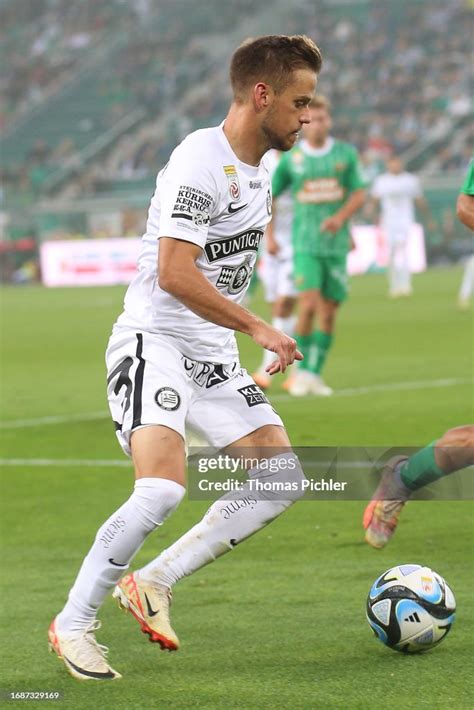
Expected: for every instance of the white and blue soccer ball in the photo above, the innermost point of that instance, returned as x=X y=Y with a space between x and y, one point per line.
x=410 y=608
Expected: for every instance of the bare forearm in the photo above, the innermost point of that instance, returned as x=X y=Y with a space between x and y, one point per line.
x=190 y=287
x=351 y=205
x=465 y=210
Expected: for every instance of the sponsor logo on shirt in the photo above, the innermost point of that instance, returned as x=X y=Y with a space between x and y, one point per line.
x=233 y=181
x=255 y=184
x=222 y=248
x=193 y=204
x=320 y=190
x=253 y=395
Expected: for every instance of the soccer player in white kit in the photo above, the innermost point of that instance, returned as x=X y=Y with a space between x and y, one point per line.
x=398 y=191
x=277 y=271
x=172 y=358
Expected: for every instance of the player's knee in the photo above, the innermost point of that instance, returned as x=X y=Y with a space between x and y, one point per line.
x=156 y=499
x=285 y=307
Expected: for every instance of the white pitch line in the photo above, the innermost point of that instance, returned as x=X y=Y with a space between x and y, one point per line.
x=394 y=386
x=55 y=419
x=348 y=392
x=95 y=463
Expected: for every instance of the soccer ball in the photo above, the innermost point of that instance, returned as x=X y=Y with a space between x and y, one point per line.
x=410 y=608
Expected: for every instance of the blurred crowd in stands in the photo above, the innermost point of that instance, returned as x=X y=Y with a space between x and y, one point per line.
x=397 y=73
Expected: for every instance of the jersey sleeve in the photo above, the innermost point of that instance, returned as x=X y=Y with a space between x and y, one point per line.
x=281 y=179
x=468 y=184
x=188 y=196
x=354 y=177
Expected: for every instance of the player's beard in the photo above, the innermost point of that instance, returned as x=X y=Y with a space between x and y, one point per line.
x=275 y=140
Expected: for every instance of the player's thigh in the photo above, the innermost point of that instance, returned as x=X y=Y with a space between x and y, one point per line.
x=269 y=277
x=285 y=279
x=335 y=286
x=308 y=273
x=147 y=388
x=158 y=452
x=231 y=410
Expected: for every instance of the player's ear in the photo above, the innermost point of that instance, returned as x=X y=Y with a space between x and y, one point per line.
x=262 y=96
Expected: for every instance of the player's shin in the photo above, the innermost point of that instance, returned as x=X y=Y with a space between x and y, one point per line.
x=230 y=520
x=116 y=543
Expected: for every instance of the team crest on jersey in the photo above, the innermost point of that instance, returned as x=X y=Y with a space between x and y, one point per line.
x=297 y=157
x=236 y=278
x=233 y=181
x=339 y=167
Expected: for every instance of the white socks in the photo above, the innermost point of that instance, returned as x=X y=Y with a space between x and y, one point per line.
x=287 y=325
x=228 y=521
x=116 y=543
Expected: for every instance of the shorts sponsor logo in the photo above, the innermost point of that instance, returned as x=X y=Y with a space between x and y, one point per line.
x=167 y=398
x=235 y=278
x=229 y=246
x=253 y=395
x=208 y=374
x=233 y=181
x=190 y=202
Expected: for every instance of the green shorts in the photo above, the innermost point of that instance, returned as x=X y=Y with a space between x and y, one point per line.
x=326 y=274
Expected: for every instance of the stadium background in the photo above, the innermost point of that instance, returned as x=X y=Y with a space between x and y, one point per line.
x=95 y=93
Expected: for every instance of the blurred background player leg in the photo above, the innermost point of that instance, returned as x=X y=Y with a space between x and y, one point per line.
x=399 y=268
x=467 y=285
x=279 y=292
x=401 y=476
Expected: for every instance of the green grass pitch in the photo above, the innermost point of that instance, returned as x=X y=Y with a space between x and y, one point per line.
x=280 y=622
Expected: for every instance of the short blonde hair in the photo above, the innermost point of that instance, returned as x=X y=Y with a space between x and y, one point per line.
x=272 y=59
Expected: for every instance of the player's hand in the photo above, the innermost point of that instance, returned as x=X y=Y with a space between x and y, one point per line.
x=332 y=224
x=278 y=342
x=272 y=246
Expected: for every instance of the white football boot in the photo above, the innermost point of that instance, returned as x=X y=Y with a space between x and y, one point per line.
x=84 y=658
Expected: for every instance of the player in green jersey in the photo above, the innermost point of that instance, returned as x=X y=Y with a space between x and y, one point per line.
x=465 y=212
x=327 y=186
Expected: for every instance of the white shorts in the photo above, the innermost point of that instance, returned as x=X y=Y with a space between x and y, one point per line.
x=277 y=277
x=150 y=382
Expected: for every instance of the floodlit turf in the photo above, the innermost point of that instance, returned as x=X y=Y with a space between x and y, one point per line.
x=280 y=621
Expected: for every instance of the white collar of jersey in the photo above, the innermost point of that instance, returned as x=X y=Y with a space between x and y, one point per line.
x=317 y=152
x=252 y=169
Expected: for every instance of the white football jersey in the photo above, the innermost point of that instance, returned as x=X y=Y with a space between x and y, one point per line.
x=207 y=196
x=397 y=194
x=283 y=212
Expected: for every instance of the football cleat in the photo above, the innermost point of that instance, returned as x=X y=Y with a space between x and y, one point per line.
x=149 y=604
x=383 y=512
x=307 y=383
x=262 y=379
x=319 y=388
x=84 y=658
